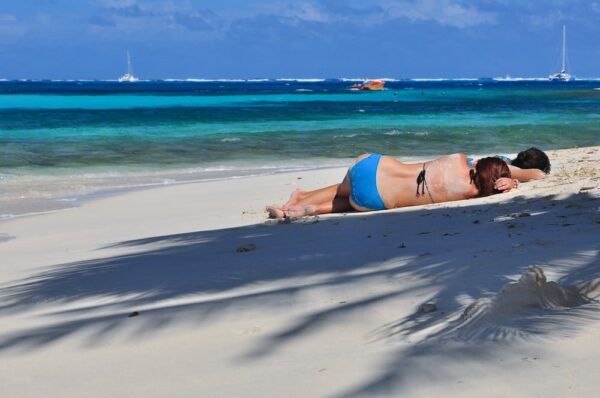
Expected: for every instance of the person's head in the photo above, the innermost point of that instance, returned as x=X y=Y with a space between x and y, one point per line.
x=486 y=172
x=532 y=158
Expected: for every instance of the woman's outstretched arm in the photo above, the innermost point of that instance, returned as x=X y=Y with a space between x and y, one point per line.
x=524 y=175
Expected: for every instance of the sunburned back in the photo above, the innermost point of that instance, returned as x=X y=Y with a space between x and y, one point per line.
x=446 y=179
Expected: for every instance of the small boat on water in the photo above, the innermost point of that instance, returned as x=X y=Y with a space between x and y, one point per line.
x=372 y=85
x=128 y=77
x=563 y=76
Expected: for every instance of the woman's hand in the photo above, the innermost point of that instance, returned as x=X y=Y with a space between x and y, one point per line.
x=506 y=184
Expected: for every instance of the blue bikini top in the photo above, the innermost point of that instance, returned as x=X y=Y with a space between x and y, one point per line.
x=470 y=159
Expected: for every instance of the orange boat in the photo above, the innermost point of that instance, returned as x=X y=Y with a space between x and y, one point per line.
x=372 y=85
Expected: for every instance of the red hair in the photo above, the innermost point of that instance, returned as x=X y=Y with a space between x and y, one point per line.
x=487 y=171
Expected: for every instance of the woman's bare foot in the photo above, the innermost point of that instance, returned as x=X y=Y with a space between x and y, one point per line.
x=294 y=199
x=291 y=211
x=299 y=211
x=275 y=212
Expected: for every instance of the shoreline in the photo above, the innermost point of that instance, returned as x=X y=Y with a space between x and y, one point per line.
x=69 y=200
x=189 y=286
x=104 y=183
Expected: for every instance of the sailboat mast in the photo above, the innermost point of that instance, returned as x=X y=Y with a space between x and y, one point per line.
x=130 y=69
x=564 y=49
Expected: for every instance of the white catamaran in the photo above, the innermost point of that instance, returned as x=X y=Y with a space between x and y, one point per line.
x=128 y=77
x=563 y=76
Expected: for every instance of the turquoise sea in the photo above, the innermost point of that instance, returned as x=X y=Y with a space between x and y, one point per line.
x=61 y=141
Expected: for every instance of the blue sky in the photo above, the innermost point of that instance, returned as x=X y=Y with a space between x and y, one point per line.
x=308 y=38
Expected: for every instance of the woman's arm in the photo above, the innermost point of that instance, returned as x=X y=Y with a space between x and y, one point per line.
x=505 y=184
x=524 y=175
x=518 y=175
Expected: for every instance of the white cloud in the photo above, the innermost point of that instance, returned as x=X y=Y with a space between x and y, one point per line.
x=307 y=12
x=549 y=19
x=198 y=21
x=10 y=29
x=7 y=18
x=117 y=3
x=168 y=17
x=444 y=12
x=43 y=18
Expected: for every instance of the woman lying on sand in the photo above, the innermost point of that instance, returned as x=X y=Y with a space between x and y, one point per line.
x=377 y=182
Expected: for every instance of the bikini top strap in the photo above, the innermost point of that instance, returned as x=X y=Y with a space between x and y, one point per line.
x=421 y=182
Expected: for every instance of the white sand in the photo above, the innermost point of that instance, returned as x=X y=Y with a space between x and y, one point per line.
x=325 y=307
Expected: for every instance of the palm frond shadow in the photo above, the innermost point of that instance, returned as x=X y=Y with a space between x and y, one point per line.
x=484 y=328
x=192 y=278
x=490 y=321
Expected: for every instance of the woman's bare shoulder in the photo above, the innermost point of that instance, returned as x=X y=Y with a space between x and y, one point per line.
x=454 y=157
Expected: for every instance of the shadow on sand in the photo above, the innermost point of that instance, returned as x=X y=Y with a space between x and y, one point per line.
x=467 y=251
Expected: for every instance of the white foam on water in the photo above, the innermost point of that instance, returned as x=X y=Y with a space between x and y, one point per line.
x=299 y=80
x=362 y=79
x=398 y=132
x=444 y=79
x=30 y=193
x=519 y=79
x=425 y=79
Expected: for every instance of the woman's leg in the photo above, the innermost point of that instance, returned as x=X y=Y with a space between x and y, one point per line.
x=331 y=199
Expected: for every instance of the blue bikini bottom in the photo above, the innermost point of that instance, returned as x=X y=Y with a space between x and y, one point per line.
x=363 y=183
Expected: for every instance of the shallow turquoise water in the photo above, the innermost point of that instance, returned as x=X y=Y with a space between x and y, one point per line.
x=173 y=131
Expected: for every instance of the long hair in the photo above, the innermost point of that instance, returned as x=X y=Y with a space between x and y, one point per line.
x=487 y=171
x=532 y=158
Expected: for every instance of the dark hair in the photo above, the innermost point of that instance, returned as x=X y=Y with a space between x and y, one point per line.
x=532 y=158
x=487 y=171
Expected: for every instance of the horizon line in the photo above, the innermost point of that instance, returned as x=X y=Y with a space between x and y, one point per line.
x=296 y=79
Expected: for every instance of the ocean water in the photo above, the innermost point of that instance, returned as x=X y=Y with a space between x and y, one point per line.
x=61 y=141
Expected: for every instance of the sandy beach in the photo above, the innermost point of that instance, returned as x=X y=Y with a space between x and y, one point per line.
x=188 y=290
